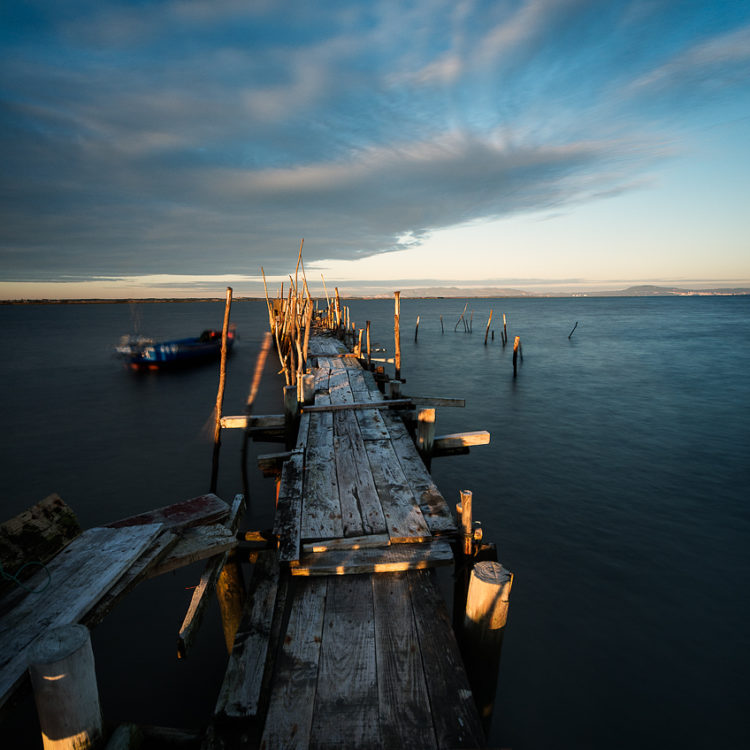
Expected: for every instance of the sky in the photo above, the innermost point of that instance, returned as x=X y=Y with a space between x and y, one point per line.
x=174 y=148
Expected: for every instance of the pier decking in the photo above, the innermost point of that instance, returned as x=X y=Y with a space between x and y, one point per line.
x=345 y=640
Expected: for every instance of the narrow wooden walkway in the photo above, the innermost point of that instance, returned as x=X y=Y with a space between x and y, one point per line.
x=345 y=639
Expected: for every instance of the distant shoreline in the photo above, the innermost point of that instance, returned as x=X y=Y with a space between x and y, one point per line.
x=451 y=293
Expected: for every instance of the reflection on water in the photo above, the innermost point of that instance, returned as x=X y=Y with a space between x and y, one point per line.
x=615 y=486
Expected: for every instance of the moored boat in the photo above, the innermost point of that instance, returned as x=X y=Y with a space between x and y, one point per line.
x=145 y=354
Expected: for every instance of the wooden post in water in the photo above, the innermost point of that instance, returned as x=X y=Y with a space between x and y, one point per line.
x=442 y=330
x=397 y=334
x=488 y=328
x=467 y=522
x=484 y=626
x=290 y=414
x=65 y=691
x=416 y=330
x=574 y=327
x=220 y=394
x=367 y=326
x=516 y=353
x=230 y=592
x=338 y=310
x=426 y=434
x=505 y=331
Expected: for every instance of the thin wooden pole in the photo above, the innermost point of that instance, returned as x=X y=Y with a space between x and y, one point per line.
x=574 y=327
x=416 y=330
x=467 y=522
x=516 y=352
x=442 y=330
x=471 y=322
x=505 y=330
x=488 y=328
x=220 y=393
x=359 y=343
x=461 y=319
x=63 y=678
x=367 y=327
x=397 y=333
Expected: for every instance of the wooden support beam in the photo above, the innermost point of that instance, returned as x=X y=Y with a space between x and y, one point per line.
x=425 y=434
x=436 y=401
x=196 y=511
x=462 y=440
x=196 y=544
x=254 y=422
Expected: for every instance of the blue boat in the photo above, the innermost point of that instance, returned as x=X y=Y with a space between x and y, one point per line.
x=142 y=353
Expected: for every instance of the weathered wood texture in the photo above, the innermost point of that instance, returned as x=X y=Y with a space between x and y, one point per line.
x=194 y=512
x=80 y=575
x=196 y=544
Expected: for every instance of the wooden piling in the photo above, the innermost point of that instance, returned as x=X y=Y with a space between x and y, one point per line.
x=425 y=434
x=367 y=327
x=486 y=333
x=291 y=411
x=484 y=626
x=516 y=353
x=65 y=691
x=505 y=330
x=416 y=330
x=442 y=330
x=467 y=522
x=574 y=327
x=220 y=393
x=397 y=334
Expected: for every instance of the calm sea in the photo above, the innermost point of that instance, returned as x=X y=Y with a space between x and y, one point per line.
x=616 y=486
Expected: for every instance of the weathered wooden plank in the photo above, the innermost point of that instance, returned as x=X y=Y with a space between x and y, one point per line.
x=196 y=544
x=240 y=692
x=253 y=422
x=340 y=389
x=433 y=505
x=405 y=717
x=287 y=524
x=36 y=534
x=437 y=401
x=454 y=713
x=352 y=542
x=136 y=573
x=391 y=559
x=322 y=375
x=346 y=701
x=198 y=510
x=355 y=478
x=461 y=439
x=357 y=378
x=321 y=517
x=303 y=430
x=206 y=584
x=292 y=700
x=86 y=569
x=346 y=474
x=403 y=517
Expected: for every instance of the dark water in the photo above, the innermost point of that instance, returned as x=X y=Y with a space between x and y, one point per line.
x=615 y=486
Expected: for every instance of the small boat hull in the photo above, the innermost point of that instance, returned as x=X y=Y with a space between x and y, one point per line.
x=144 y=354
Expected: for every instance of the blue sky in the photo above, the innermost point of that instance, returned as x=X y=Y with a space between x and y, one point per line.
x=172 y=148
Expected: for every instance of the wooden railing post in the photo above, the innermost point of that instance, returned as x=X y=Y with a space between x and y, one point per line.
x=397 y=334
x=65 y=690
x=220 y=393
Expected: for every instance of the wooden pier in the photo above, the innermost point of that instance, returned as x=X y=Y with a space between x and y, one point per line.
x=342 y=638
x=346 y=640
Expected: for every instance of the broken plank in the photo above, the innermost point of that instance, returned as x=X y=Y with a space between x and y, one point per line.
x=85 y=570
x=290 y=709
x=240 y=692
x=206 y=584
x=198 y=510
x=405 y=717
x=462 y=440
x=136 y=573
x=254 y=422
x=397 y=557
x=455 y=716
x=403 y=517
x=288 y=518
x=352 y=542
x=346 y=700
x=196 y=544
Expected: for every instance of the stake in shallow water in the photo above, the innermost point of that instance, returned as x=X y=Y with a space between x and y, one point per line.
x=220 y=394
